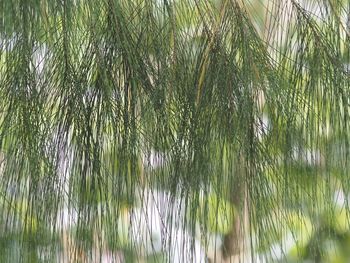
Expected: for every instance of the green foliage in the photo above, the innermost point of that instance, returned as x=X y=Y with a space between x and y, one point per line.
x=88 y=89
x=216 y=215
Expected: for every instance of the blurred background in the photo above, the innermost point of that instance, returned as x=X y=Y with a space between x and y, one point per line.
x=109 y=155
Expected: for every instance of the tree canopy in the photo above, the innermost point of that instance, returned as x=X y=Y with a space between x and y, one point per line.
x=222 y=125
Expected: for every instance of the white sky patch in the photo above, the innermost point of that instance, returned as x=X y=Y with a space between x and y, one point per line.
x=7 y=44
x=315 y=8
x=262 y=126
x=339 y=198
x=152 y=229
x=39 y=57
x=67 y=217
x=154 y=159
x=308 y=156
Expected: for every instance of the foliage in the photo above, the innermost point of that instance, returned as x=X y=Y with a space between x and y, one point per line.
x=104 y=103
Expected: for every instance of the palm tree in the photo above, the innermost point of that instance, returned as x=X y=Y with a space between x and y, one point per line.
x=174 y=130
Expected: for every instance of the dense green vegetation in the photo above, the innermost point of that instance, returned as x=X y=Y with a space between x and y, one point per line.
x=174 y=130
